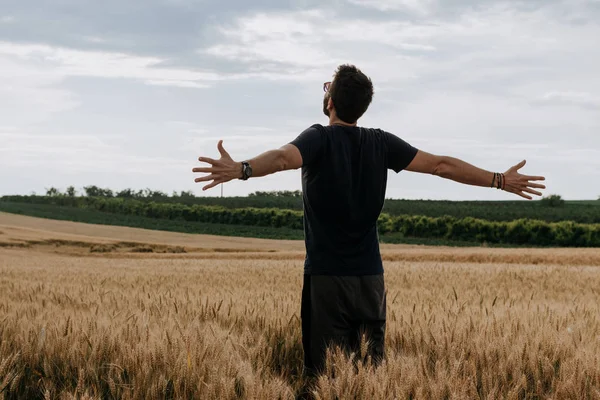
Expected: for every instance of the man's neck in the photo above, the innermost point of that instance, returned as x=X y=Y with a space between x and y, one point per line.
x=333 y=120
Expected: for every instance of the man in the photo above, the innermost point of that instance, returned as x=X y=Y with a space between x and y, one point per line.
x=344 y=176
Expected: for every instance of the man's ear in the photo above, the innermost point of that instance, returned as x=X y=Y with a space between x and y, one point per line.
x=330 y=106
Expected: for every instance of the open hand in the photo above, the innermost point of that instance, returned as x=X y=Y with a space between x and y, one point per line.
x=221 y=170
x=521 y=185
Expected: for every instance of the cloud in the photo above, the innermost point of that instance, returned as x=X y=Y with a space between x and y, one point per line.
x=421 y=7
x=94 y=39
x=579 y=99
x=76 y=153
x=485 y=45
x=30 y=93
x=33 y=76
x=275 y=46
x=58 y=63
x=177 y=83
x=7 y=19
x=99 y=64
x=304 y=46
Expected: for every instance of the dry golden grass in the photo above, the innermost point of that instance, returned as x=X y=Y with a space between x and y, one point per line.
x=144 y=326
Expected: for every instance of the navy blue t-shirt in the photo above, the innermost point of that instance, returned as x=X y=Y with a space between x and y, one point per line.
x=344 y=178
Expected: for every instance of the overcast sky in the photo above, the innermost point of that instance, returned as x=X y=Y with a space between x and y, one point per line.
x=129 y=93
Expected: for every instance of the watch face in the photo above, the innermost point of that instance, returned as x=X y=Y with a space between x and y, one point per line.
x=247 y=171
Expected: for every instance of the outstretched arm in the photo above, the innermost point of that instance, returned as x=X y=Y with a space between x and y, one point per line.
x=226 y=169
x=463 y=172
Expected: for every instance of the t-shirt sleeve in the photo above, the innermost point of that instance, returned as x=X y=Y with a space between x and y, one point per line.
x=310 y=144
x=398 y=152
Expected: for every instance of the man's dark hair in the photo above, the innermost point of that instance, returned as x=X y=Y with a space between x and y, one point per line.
x=351 y=92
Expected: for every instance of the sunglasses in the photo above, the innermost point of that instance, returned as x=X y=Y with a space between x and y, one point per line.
x=326 y=86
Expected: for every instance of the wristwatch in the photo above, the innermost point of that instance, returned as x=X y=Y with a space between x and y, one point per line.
x=246 y=171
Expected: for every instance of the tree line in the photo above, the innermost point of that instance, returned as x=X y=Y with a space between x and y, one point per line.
x=96 y=191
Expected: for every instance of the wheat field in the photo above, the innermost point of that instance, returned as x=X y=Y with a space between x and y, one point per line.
x=91 y=312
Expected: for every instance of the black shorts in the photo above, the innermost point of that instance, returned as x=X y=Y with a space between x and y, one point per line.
x=337 y=310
